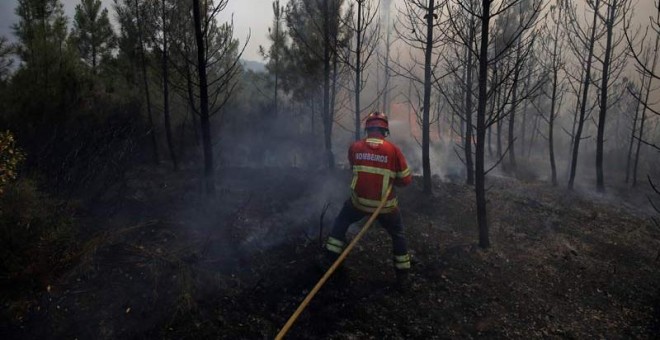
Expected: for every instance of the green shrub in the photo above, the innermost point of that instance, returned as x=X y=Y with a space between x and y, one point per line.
x=10 y=159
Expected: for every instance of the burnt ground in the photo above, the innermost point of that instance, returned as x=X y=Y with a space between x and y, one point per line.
x=164 y=263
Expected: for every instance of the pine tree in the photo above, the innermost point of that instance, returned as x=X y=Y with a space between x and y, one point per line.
x=92 y=33
x=6 y=50
x=47 y=79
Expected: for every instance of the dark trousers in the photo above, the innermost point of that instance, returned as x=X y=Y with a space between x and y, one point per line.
x=390 y=221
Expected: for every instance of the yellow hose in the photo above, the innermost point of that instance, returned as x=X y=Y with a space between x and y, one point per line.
x=332 y=269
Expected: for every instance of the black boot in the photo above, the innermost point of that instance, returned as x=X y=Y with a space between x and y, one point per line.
x=403 y=284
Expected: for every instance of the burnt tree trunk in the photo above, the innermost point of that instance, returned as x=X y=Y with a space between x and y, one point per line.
x=480 y=176
x=327 y=118
x=524 y=116
x=514 y=107
x=358 y=71
x=634 y=129
x=641 y=135
x=166 y=93
x=600 y=138
x=468 y=111
x=426 y=162
x=145 y=83
x=646 y=103
x=209 y=177
x=583 y=101
x=388 y=43
x=553 y=100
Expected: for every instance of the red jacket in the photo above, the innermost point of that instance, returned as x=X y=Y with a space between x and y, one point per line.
x=375 y=163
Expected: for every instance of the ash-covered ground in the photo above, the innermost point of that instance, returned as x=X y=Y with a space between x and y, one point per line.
x=164 y=262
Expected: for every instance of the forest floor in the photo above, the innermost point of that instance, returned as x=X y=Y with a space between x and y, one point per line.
x=165 y=263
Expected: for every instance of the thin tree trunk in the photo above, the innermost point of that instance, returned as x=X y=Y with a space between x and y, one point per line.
x=468 y=111
x=600 y=138
x=426 y=163
x=327 y=119
x=524 y=117
x=512 y=114
x=553 y=101
x=493 y=104
x=551 y=125
x=480 y=189
x=632 y=135
x=499 y=125
x=93 y=55
x=646 y=101
x=639 y=141
x=576 y=116
x=333 y=88
x=166 y=95
x=204 y=101
x=388 y=37
x=583 y=105
x=277 y=60
x=145 y=83
x=358 y=79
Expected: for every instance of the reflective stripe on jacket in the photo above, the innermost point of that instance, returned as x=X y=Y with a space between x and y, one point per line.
x=375 y=163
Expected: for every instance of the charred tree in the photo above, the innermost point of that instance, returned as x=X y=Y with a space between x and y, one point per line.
x=637 y=94
x=645 y=105
x=426 y=120
x=145 y=82
x=327 y=119
x=468 y=107
x=616 y=10
x=276 y=53
x=366 y=40
x=609 y=25
x=553 y=66
x=417 y=31
x=586 y=82
x=484 y=119
x=166 y=88
x=358 y=71
x=316 y=29
x=209 y=177
x=387 y=7
x=480 y=176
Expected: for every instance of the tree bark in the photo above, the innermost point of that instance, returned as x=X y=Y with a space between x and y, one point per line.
x=145 y=83
x=553 y=101
x=600 y=180
x=480 y=190
x=166 y=94
x=643 y=118
x=209 y=177
x=388 y=38
x=512 y=114
x=583 y=103
x=426 y=128
x=641 y=135
x=327 y=118
x=468 y=111
x=634 y=129
x=358 y=74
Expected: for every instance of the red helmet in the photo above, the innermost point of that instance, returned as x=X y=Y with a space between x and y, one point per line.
x=378 y=120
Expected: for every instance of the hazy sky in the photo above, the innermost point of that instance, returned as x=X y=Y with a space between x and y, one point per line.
x=249 y=15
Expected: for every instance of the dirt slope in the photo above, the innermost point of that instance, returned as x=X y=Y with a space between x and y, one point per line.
x=169 y=265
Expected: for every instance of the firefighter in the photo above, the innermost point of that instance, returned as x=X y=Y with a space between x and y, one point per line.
x=375 y=162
